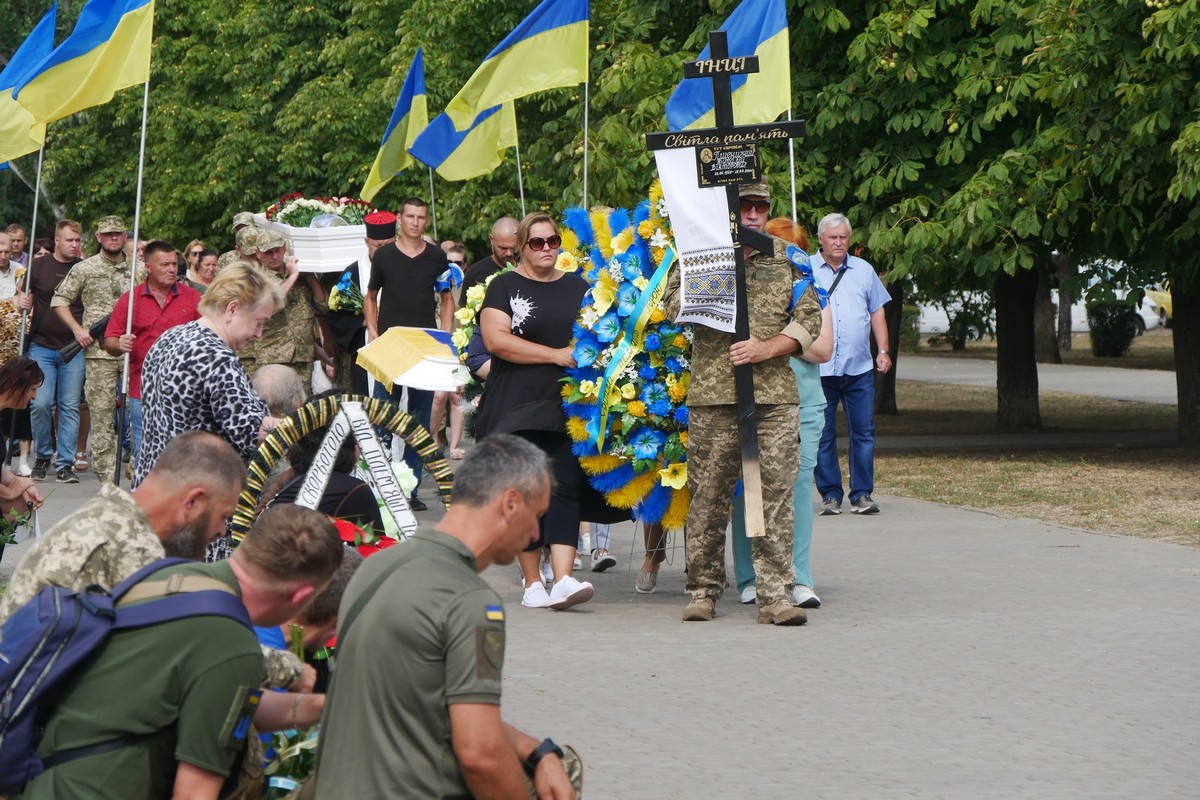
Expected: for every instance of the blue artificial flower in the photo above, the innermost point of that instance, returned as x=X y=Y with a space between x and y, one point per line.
x=631 y=266
x=586 y=353
x=673 y=365
x=647 y=372
x=653 y=342
x=646 y=443
x=660 y=408
x=608 y=328
x=627 y=297
x=681 y=415
x=667 y=330
x=653 y=392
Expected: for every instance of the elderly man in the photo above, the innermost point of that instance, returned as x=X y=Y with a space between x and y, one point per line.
x=857 y=298
x=503 y=241
x=176 y=698
x=17 y=239
x=97 y=283
x=48 y=334
x=421 y=609
x=159 y=304
x=779 y=328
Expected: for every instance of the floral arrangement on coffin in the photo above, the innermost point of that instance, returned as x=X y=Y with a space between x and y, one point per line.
x=299 y=211
x=626 y=398
x=346 y=296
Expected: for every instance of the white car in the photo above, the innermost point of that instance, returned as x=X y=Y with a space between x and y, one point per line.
x=1147 y=315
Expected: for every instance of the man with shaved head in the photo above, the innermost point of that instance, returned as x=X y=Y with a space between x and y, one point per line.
x=503 y=241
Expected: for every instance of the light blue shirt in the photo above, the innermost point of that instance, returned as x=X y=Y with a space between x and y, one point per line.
x=859 y=294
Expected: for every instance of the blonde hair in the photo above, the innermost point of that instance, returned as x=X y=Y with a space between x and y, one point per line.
x=241 y=281
x=526 y=224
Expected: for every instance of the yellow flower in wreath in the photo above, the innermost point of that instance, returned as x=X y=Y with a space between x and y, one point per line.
x=637 y=408
x=646 y=229
x=677 y=391
x=475 y=294
x=465 y=316
x=657 y=315
x=674 y=475
x=604 y=293
x=680 y=340
x=628 y=391
x=587 y=388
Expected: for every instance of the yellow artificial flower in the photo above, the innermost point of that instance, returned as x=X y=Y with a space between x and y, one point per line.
x=637 y=408
x=676 y=390
x=628 y=391
x=587 y=388
x=566 y=262
x=459 y=339
x=680 y=340
x=604 y=293
x=465 y=316
x=641 y=283
x=657 y=315
x=646 y=229
x=622 y=241
x=683 y=437
x=475 y=294
x=674 y=476
x=657 y=254
x=670 y=380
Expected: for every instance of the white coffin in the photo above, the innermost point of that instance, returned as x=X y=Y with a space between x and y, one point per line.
x=322 y=249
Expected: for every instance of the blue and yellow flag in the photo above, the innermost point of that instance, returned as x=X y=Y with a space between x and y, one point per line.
x=459 y=155
x=20 y=133
x=755 y=28
x=547 y=50
x=108 y=50
x=408 y=119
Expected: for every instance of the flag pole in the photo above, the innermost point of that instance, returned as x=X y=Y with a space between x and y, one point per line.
x=122 y=400
x=37 y=194
x=792 y=171
x=432 y=204
x=585 y=142
x=520 y=178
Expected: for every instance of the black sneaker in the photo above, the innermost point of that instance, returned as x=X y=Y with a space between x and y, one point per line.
x=39 y=469
x=67 y=475
x=417 y=505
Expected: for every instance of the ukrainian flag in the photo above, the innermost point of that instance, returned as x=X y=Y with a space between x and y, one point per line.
x=20 y=133
x=408 y=119
x=108 y=50
x=549 y=49
x=756 y=27
x=459 y=155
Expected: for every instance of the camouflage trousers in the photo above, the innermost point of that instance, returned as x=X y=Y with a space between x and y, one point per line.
x=714 y=466
x=103 y=381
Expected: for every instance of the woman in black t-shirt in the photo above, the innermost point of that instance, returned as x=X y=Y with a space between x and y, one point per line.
x=526 y=320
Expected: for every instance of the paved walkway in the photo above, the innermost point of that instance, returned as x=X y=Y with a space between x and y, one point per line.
x=958 y=655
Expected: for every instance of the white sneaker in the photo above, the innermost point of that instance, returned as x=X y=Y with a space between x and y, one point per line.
x=803 y=597
x=23 y=468
x=535 y=597
x=749 y=595
x=547 y=573
x=570 y=592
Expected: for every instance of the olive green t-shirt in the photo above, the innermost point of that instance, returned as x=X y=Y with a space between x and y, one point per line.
x=188 y=680
x=431 y=636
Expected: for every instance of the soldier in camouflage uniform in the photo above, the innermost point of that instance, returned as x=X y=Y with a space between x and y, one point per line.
x=97 y=283
x=242 y=219
x=778 y=329
x=180 y=506
x=287 y=338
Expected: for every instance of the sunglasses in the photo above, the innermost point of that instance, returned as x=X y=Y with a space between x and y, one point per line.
x=538 y=243
x=195 y=253
x=761 y=206
x=457 y=263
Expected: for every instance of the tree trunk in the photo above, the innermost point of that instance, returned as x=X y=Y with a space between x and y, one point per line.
x=1066 y=299
x=1185 y=294
x=1016 y=368
x=885 y=384
x=1045 y=337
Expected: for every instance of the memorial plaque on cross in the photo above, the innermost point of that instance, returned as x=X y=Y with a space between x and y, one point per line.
x=727 y=155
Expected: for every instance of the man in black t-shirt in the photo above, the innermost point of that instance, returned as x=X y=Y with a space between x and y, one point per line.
x=503 y=240
x=411 y=274
x=64 y=380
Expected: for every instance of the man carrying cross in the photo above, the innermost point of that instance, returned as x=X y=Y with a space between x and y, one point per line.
x=779 y=328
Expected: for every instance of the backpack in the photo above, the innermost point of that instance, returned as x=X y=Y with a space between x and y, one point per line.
x=46 y=640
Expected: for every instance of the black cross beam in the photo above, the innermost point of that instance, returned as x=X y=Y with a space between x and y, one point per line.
x=727 y=156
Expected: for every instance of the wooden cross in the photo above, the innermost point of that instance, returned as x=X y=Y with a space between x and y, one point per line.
x=727 y=155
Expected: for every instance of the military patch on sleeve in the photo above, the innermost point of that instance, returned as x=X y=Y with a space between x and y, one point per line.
x=241 y=714
x=495 y=613
x=489 y=652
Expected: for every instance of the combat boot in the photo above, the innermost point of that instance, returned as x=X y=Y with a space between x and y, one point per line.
x=700 y=609
x=781 y=612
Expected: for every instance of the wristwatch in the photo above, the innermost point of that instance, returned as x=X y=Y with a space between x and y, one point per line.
x=544 y=749
x=883 y=352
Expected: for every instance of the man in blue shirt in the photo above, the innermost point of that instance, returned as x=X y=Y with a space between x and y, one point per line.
x=856 y=297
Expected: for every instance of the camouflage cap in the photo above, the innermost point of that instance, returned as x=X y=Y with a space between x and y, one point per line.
x=760 y=189
x=271 y=238
x=241 y=220
x=111 y=224
x=248 y=239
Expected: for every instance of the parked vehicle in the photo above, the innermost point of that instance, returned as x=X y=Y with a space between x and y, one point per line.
x=1147 y=314
x=1161 y=296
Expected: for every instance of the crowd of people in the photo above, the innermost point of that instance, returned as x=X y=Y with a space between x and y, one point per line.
x=221 y=347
